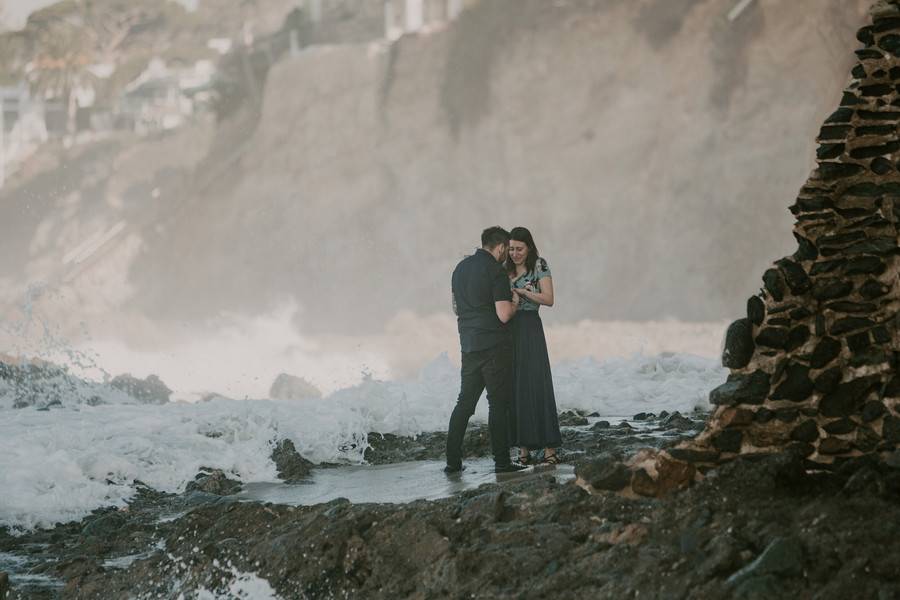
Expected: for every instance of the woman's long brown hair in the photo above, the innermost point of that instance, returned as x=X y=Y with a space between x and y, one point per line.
x=520 y=234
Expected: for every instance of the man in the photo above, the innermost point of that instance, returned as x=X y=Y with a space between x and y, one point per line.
x=483 y=303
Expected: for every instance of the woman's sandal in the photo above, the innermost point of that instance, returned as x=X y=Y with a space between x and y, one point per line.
x=552 y=459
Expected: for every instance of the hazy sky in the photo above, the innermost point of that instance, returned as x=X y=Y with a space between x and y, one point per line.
x=14 y=12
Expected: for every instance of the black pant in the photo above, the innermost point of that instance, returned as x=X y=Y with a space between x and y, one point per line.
x=491 y=369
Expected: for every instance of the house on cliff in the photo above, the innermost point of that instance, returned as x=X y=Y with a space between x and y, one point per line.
x=22 y=126
x=347 y=21
x=163 y=97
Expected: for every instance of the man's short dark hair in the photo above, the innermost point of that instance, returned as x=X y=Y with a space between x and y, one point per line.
x=493 y=237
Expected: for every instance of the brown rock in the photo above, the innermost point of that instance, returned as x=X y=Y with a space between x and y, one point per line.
x=631 y=534
x=643 y=484
x=833 y=445
x=772 y=433
x=734 y=417
x=673 y=474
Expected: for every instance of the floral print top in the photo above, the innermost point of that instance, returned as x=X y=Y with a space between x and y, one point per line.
x=531 y=280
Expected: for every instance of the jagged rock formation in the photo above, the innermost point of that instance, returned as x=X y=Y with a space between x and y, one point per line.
x=291 y=387
x=150 y=390
x=814 y=363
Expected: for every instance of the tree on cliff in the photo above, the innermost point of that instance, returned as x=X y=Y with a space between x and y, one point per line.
x=63 y=51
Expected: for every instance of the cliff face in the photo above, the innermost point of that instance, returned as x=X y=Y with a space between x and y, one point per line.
x=650 y=146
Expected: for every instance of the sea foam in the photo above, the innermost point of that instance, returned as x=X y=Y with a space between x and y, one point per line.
x=60 y=463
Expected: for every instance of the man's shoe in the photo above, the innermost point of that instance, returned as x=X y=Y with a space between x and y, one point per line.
x=450 y=469
x=510 y=468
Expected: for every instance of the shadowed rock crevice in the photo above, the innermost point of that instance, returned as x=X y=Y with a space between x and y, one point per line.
x=660 y=21
x=476 y=43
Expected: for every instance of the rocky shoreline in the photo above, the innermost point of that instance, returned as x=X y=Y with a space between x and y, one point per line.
x=757 y=527
x=82 y=559
x=761 y=527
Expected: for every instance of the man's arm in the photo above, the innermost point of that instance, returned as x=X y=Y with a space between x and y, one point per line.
x=505 y=302
x=506 y=310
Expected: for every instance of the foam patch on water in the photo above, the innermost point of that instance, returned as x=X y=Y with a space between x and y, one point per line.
x=58 y=465
x=245 y=586
x=626 y=386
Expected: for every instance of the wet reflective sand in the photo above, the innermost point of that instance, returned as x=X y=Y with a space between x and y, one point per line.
x=400 y=482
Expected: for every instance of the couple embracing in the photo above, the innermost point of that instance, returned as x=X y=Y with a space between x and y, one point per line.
x=496 y=296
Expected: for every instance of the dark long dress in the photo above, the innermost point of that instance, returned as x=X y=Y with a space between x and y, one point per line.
x=533 y=421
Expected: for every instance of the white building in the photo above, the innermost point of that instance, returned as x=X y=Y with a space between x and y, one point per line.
x=414 y=16
x=163 y=97
x=22 y=127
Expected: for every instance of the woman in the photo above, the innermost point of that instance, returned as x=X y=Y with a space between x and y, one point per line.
x=533 y=420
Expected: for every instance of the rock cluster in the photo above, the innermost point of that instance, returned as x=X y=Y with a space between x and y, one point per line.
x=814 y=363
x=291 y=466
x=291 y=387
x=150 y=390
x=763 y=527
x=213 y=481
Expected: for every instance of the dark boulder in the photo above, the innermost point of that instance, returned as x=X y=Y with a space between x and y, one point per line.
x=865 y=265
x=825 y=351
x=215 y=482
x=891 y=429
x=807 y=431
x=848 y=397
x=806 y=250
x=872 y=410
x=797 y=337
x=857 y=343
x=742 y=389
x=149 y=391
x=831 y=289
x=105 y=525
x=828 y=380
x=796 y=386
x=795 y=276
x=773 y=281
x=848 y=324
x=571 y=418
x=839 y=426
x=756 y=310
x=773 y=337
x=678 y=422
x=739 y=344
x=782 y=557
x=833 y=445
x=603 y=472
x=845 y=306
x=290 y=465
x=872 y=289
x=728 y=440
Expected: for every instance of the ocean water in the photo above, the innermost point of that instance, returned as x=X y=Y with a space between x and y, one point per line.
x=60 y=463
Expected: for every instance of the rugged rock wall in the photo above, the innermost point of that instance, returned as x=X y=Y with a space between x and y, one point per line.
x=814 y=363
